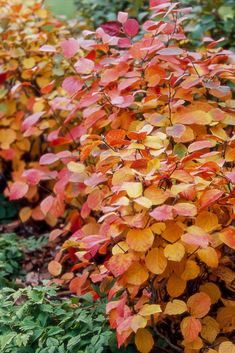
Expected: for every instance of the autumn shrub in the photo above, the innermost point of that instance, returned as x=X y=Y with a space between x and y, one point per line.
x=28 y=74
x=141 y=167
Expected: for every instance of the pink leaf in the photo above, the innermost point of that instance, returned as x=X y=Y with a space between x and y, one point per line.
x=131 y=27
x=48 y=158
x=122 y=17
x=170 y=51
x=162 y=213
x=195 y=237
x=199 y=145
x=18 y=190
x=47 y=204
x=176 y=130
x=84 y=66
x=185 y=209
x=70 y=47
x=72 y=85
x=31 y=120
x=230 y=176
x=33 y=176
x=48 y=48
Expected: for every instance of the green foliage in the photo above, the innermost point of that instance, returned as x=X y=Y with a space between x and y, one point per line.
x=8 y=210
x=37 y=320
x=97 y=12
x=61 y=7
x=12 y=249
x=215 y=18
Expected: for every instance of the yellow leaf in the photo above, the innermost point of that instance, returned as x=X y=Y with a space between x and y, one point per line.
x=25 y=214
x=210 y=329
x=174 y=252
x=143 y=201
x=7 y=136
x=140 y=239
x=158 y=228
x=138 y=322
x=176 y=307
x=207 y=221
x=28 y=63
x=150 y=309
x=136 y=274
x=156 y=261
x=76 y=167
x=175 y=286
x=191 y=270
x=144 y=340
x=154 y=142
x=155 y=195
x=209 y=256
x=120 y=248
x=212 y=290
x=227 y=347
x=133 y=189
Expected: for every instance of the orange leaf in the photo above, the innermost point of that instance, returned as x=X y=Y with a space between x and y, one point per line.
x=175 y=286
x=227 y=236
x=199 y=305
x=136 y=274
x=55 y=268
x=140 y=239
x=156 y=261
x=208 y=197
x=144 y=340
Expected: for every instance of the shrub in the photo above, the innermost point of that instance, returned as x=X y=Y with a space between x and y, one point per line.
x=37 y=320
x=142 y=171
x=28 y=74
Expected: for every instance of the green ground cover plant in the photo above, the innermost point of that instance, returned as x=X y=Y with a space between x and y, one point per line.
x=40 y=320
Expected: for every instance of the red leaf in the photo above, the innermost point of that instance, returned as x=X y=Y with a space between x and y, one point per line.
x=113 y=28
x=131 y=27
